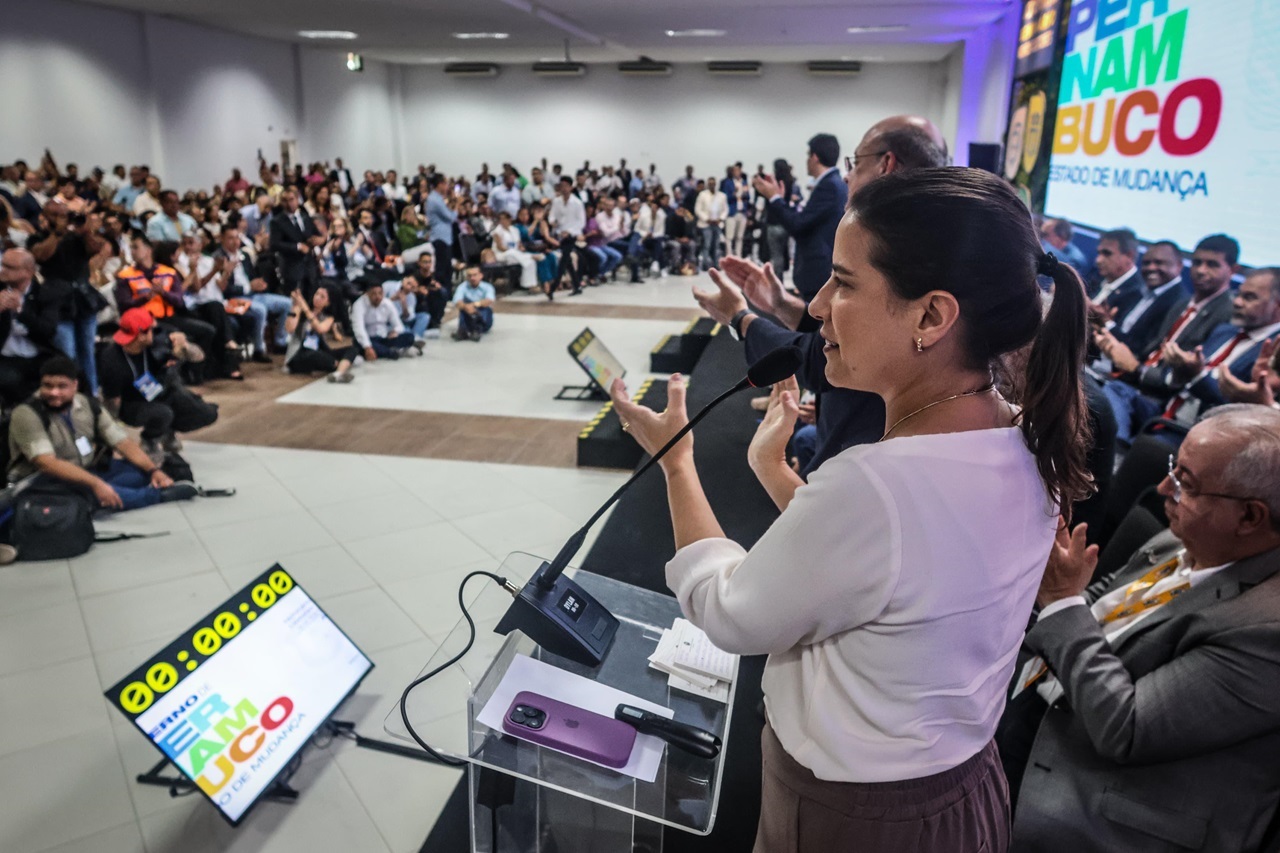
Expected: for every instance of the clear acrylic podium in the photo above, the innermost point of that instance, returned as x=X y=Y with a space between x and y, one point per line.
x=546 y=800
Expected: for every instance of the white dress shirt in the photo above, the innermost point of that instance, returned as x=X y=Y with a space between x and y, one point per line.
x=568 y=216
x=506 y=199
x=891 y=597
x=374 y=321
x=1111 y=287
x=711 y=205
x=1148 y=299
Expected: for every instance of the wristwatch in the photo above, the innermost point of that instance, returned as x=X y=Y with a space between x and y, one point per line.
x=735 y=325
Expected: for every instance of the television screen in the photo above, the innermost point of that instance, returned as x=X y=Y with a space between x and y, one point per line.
x=594 y=357
x=1036 y=36
x=1169 y=121
x=236 y=697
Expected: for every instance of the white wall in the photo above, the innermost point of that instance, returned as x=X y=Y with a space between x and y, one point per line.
x=102 y=86
x=978 y=75
x=352 y=116
x=220 y=97
x=72 y=74
x=689 y=118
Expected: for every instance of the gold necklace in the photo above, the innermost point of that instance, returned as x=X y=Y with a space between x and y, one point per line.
x=899 y=421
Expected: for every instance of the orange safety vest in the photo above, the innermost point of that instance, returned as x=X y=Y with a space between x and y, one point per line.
x=162 y=279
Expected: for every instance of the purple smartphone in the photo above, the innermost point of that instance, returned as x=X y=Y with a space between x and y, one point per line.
x=569 y=729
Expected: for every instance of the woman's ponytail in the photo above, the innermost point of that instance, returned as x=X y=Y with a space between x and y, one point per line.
x=1054 y=418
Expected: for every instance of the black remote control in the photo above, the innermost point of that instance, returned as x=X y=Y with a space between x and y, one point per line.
x=682 y=736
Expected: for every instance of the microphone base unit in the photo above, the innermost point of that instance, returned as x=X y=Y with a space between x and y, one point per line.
x=563 y=619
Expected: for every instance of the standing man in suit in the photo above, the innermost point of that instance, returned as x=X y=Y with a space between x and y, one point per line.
x=814 y=226
x=342 y=175
x=293 y=235
x=1156 y=690
x=751 y=301
x=1140 y=382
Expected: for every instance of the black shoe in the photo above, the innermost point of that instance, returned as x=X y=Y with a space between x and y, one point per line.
x=459 y=335
x=261 y=357
x=577 y=291
x=183 y=490
x=475 y=336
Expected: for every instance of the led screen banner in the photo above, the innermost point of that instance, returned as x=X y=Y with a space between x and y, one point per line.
x=1034 y=100
x=1168 y=120
x=233 y=700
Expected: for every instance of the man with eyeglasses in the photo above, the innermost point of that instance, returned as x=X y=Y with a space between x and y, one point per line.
x=752 y=302
x=1150 y=693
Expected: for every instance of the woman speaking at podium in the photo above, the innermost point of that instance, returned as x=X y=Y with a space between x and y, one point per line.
x=892 y=593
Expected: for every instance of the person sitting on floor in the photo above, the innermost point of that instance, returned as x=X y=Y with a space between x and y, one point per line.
x=310 y=329
x=65 y=440
x=375 y=321
x=474 y=298
x=140 y=381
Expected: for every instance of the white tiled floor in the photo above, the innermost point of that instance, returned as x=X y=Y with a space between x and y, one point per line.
x=526 y=350
x=373 y=539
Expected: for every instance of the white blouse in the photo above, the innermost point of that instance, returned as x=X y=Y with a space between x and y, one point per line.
x=891 y=597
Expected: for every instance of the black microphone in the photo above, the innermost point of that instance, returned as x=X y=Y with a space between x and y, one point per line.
x=559 y=615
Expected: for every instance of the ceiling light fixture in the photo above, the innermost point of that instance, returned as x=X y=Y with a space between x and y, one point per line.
x=342 y=35
x=694 y=34
x=466 y=36
x=878 y=28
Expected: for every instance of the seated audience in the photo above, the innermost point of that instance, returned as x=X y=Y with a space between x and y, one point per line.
x=1055 y=236
x=410 y=299
x=378 y=330
x=474 y=299
x=1146 y=720
x=66 y=440
x=310 y=328
x=1163 y=294
x=237 y=278
x=141 y=383
x=1185 y=324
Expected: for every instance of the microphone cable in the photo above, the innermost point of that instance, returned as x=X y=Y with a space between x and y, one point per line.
x=471 y=639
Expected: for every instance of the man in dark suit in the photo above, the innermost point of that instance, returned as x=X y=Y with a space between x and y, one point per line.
x=1161 y=272
x=1152 y=695
x=341 y=175
x=28 y=322
x=813 y=227
x=1141 y=384
x=293 y=235
x=1117 y=264
x=844 y=417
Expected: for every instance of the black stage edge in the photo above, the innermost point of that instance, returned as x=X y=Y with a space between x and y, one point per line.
x=634 y=547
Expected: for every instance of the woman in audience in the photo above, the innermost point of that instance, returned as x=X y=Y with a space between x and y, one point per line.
x=893 y=592
x=411 y=230
x=776 y=236
x=204 y=300
x=542 y=237
x=309 y=352
x=323 y=203
x=13 y=230
x=508 y=248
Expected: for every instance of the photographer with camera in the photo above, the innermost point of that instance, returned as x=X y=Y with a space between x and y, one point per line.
x=63 y=248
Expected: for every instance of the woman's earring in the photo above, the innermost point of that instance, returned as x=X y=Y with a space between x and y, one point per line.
x=919 y=344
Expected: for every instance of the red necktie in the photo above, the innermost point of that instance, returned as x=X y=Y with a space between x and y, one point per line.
x=1154 y=358
x=1220 y=356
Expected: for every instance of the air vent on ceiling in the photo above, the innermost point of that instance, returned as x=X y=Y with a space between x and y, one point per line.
x=645 y=68
x=834 y=68
x=743 y=68
x=560 y=69
x=471 y=69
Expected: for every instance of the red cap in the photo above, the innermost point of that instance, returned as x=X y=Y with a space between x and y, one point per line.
x=133 y=322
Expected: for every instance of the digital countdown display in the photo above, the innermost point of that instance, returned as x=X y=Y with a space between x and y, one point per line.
x=1168 y=121
x=234 y=699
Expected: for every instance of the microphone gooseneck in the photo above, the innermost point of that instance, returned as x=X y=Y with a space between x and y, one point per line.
x=769 y=369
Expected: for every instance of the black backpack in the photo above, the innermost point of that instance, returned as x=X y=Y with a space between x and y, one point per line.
x=50 y=521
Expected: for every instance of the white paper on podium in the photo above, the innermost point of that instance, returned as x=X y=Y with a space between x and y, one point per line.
x=525 y=673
